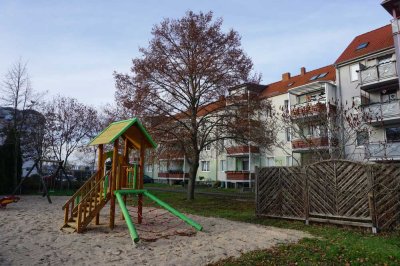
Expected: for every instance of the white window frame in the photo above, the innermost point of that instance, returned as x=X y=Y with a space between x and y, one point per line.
x=289 y=160
x=207 y=147
x=353 y=72
x=273 y=160
x=222 y=165
x=288 y=134
x=205 y=166
x=149 y=168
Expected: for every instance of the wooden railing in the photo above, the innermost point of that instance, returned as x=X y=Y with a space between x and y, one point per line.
x=93 y=192
x=82 y=191
x=92 y=202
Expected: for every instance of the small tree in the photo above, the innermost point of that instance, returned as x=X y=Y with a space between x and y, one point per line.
x=334 y=126
x=17 y=93
x=68 y=125
x=180 y=81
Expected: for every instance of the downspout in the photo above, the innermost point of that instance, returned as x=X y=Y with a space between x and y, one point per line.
x=248 y=141
x=339 y=103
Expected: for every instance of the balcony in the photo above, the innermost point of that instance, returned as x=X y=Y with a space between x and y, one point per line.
x=383 y=151
x=379 y=75
x=382 y=113
x=312 y=143
x=172 y=175
x=238 y=175
x=242 y=150
x=310 y=109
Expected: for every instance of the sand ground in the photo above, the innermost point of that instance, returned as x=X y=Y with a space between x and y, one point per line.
x=30 y=235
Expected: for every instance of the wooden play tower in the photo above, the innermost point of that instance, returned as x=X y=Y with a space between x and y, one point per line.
x=116 y=183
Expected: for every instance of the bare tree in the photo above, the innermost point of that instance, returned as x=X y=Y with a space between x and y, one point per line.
x=68 y=125
x=17 y=93
x=327 y=130
x=179 y=84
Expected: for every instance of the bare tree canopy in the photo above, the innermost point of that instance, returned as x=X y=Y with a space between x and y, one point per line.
x=18 y=96
x=68 y=124
x=180 y=82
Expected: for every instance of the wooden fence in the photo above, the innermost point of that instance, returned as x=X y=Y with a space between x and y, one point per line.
x=335 y=191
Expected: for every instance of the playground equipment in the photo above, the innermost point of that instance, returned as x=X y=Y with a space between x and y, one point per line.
x=7 y=200
x=122 y=180
x=12 y=198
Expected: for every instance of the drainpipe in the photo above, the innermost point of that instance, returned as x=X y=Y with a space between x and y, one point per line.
x=248 y=118
x=396 y=39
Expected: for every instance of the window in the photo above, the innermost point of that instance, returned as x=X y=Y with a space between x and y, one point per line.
x=314 y=77
x=323 y=75
x=362 y=138
x=288 y=135
x=356 y=101
x=362 y=45
x=222 y=165
x=290 y=84
x=289 y=161
x=208 y=147
x=392 y=134
x=286 y=104
x=245 y=165
x=270 y=161
x=205 y=166
x=354 y=72
x=149 y=168
x=384 y=60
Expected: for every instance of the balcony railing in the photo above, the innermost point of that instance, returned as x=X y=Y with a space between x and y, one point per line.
x=242 y=149
x=173 y=175
x=378 y=73
x=313 y=143
x=239 y=175
x=383 y=151
x=378 y=112
x=310 y=109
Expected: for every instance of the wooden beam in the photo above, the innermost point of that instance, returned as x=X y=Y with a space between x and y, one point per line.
x=113 y=180
x=140 y=181
x=100 y=171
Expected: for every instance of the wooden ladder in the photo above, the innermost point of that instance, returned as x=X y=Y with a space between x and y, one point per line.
x=86 y=203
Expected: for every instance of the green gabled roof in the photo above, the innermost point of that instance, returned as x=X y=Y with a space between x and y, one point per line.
x=117 y=129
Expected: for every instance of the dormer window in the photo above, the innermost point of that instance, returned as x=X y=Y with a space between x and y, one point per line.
x=362 y=45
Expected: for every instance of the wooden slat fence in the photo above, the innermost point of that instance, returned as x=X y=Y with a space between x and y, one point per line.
x=334 y=191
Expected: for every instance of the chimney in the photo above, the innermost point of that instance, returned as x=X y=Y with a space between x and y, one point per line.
x=302 y=71
x=285 y=76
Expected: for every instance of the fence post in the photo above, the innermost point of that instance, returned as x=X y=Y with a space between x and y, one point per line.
x=371 y=197
x=306 y=196
x=256 y=189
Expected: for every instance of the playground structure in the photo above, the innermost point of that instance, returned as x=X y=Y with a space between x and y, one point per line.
x=115 y=184
x=37 y=165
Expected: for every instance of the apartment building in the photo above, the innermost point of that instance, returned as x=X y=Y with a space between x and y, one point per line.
x=367 y=76
x=364 y=75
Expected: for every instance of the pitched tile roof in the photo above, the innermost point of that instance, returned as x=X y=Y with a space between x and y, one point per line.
x=283 y=86
x=377 y=40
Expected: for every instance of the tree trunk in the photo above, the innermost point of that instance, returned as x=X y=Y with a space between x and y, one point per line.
x=192 y=177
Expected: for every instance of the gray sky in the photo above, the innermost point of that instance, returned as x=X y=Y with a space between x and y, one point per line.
x=73 y=47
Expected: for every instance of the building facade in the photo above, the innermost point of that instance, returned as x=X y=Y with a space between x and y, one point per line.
x=363 y=82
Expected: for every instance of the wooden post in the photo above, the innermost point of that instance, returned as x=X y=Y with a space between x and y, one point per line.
x=140 y=183
x=113 y=180
x=306 y=196
x=99 y=175
x=124 y=170
x=371 y=197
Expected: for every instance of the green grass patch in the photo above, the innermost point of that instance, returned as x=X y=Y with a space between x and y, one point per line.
x=332 y=245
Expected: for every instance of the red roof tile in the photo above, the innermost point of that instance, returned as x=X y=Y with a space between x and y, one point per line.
x=377 y=40
x=282 y=86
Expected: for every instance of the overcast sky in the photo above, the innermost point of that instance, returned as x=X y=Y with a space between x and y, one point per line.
x=72 y=47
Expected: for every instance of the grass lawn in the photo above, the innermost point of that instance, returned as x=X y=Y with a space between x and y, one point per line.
x=331 y=246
